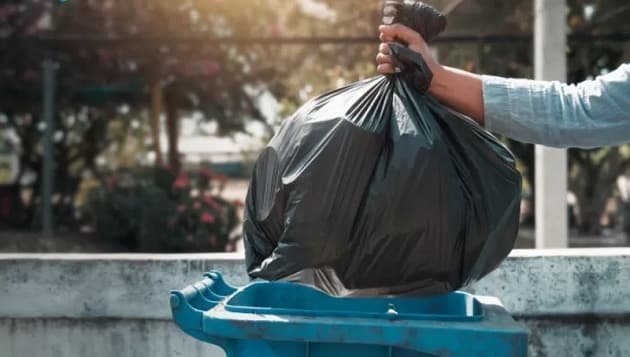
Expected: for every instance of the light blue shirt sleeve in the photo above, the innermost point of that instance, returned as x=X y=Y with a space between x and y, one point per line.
x=590 y=114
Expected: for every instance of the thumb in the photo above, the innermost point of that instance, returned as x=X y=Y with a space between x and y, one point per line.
x=400 y=32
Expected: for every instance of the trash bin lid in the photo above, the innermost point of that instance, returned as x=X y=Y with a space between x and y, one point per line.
x=290 y=315
x=284 y=298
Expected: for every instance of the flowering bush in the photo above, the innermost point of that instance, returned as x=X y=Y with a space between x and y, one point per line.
x=157 y=209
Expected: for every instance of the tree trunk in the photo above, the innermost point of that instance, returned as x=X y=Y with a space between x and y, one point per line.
x=593 y=183
x=173 y=136
x=590 y=213
x=156 y=111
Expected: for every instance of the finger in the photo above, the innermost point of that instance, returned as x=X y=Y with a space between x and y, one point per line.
x=385 y=69
x=386 y=38
x=398 y=31
x=383 y=59
x=383 y=48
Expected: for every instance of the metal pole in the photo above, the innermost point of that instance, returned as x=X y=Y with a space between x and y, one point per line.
x=48 y=114
x=550 y=40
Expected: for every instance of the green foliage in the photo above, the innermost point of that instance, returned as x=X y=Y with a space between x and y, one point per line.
x=159 y=210
x=225 y=79
x=592 y=173
x=78 y=141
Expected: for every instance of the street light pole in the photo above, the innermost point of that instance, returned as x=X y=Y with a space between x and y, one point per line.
x=550 y=41
x=49 y=68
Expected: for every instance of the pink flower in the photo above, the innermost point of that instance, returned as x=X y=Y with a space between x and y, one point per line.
x=197 y=205
x=181 y=208
x=207 y=218
x=210 y=202
x=182 y=181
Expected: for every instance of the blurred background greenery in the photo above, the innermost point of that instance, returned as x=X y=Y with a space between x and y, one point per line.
x=161 y=107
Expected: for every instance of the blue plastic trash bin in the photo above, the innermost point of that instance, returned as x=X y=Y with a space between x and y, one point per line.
x=281 y=319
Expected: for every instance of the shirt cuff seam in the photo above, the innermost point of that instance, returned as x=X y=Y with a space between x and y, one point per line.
x=496 y=101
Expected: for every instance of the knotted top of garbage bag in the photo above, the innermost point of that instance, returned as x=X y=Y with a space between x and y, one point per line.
x=423 y=19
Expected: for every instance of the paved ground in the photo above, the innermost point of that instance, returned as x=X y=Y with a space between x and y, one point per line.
x=12 y=241
x=526 y=239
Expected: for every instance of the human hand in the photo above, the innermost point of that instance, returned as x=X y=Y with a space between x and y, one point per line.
x=413 y=40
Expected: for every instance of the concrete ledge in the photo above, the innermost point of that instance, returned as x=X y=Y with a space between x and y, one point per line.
x=529 y=283
x=125 y=286
x=98 y=338
x=574 y=302
x=562 y=282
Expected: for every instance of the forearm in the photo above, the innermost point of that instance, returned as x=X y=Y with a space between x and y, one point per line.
x=459 y=90
x=590 y=114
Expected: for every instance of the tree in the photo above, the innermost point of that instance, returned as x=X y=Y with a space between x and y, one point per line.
x=592 y=173
x=115 y=54
x=191 y=54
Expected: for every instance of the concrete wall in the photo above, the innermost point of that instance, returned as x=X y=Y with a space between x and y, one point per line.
x=575 y=302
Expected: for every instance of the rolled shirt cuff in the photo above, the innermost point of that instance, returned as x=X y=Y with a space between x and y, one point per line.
x=496 y=105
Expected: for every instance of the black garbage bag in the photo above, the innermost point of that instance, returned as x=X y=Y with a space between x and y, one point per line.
x=378 y=187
